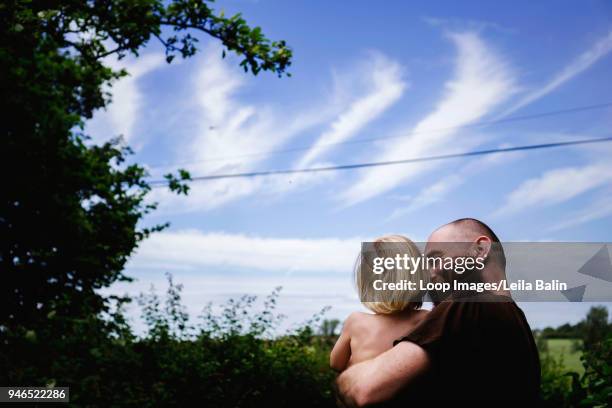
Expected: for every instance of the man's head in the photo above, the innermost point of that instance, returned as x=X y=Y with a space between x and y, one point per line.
x=465 y=237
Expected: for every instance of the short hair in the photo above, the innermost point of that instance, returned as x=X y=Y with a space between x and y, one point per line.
x=389 y=301
x=481 y=228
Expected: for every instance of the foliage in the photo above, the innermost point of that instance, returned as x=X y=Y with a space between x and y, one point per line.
x=329 y=327
x=555 y=384
x=570 y=350
x=590 y=330
x=71 y=211
x=596 y=327
x=232 y=356
x=565 y=331
x=228 y=359
x=593 y=388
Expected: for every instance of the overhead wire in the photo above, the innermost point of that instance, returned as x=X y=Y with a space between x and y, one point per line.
x=403 y=135
x=353 y=166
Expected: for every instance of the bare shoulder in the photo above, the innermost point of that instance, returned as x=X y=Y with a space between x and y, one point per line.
x=356 y=320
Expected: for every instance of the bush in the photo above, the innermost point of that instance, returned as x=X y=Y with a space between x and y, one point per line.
x=594 y=388
x=556 y=385
x=229 y=359
x=569 y=389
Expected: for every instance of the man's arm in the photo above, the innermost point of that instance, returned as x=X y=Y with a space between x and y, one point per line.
x=381 y=378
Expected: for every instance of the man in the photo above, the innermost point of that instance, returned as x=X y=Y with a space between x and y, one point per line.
x=472 y=349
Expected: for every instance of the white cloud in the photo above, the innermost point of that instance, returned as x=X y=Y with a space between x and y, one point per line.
x=598 y=50
x=556 y=186
x=200 y=261
x=230 y=128
x=429 y=195
x=459 y=24
x=482 y=80
x=302 y=295
x=595 y=211
x=193 y=250
x=120 y=117
x=443 y=186
x=385 y=85
x=215 y=266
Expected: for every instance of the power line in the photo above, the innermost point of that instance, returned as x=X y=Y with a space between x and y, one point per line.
x=391 y=162
x=375 y=139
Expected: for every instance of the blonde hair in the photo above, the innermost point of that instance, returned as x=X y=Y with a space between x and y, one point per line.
x=389 y=301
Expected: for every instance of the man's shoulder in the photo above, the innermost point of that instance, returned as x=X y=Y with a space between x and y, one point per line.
x=454 y=324
x=496 y=314
x=464 y=310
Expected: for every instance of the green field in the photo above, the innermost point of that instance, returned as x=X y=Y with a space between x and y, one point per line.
x=563 y=348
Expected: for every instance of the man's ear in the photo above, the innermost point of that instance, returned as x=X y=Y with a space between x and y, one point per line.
x=482 y=247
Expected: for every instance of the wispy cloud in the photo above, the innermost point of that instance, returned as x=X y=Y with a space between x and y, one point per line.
x=429 y=195
x=443 y=186
x=597 y=210
x=598 y=50
x=482 y=80
x=193 y=250
x=121 y=116
x=230 y=128
x=456 y=178
x=556 y=186
x=460 y=24
x=384 y=86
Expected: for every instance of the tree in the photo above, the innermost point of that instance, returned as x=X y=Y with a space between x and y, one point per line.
x=328 y=327
x=70 y=210
x=596 y=328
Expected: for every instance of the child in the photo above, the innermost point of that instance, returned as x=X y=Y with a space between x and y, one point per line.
x=365 y=335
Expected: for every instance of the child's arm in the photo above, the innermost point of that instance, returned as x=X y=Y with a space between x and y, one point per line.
x=341 y=353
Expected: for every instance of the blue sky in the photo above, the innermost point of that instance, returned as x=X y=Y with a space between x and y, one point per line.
x=410 y=73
